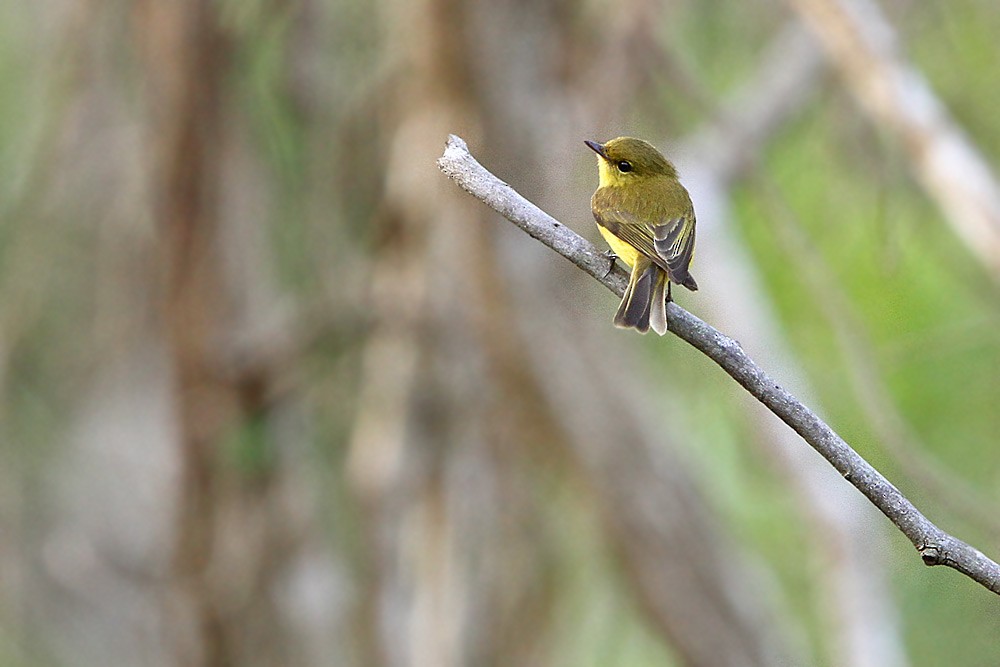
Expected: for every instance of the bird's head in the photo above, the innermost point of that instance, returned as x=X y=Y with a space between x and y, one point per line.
x=627 y=160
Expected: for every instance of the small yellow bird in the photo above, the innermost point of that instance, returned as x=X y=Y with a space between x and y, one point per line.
x=646 y=216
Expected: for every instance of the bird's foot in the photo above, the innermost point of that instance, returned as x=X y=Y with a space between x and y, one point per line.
x=612 y=258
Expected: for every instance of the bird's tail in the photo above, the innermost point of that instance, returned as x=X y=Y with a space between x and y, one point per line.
x=644 y=304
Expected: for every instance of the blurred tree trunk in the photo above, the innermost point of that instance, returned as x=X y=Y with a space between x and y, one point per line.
x=230 y=533
x=185 y=62
x=422 y=446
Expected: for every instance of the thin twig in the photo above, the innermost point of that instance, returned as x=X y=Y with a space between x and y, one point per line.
x=935 y=546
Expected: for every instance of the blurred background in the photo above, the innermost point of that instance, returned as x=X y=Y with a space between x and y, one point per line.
x=273 y=391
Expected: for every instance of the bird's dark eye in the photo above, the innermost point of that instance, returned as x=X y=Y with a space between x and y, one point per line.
x=624 y=166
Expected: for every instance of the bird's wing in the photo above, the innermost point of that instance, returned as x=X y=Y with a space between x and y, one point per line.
x=636 y=233
x=670 y=243
x=674 y=243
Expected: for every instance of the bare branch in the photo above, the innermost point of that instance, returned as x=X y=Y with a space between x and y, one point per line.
x=935 y=546
x=852 y=595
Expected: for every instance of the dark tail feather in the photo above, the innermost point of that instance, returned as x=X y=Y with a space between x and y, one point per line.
x=687 y=280
x=633 y=313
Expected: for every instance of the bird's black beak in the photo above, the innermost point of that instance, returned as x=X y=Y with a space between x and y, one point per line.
x=597 y=148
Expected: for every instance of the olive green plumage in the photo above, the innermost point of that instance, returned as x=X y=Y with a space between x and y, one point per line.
x=646 y=216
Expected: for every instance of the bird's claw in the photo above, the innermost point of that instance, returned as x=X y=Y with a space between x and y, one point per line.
x=612 y=258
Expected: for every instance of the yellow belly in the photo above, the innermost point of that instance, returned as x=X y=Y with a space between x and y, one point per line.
x=625 y=252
